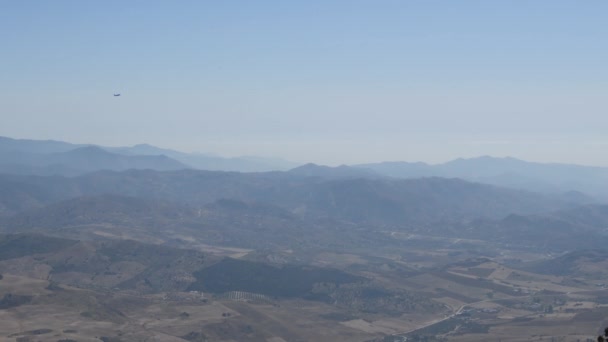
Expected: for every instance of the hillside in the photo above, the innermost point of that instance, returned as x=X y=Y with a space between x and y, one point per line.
x=420 y=201
x=383 y=201
x=583 y=227
x=103 y=209
x=589 y=263
x=224 y=222
x=295 y=213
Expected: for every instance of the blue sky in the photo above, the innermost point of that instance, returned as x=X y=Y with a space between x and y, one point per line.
x=324 y=81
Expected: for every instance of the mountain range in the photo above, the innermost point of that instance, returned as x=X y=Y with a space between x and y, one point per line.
x=106 y=233
x=133 y=192
x=395 y=201
x=49 y=157
x=508 y=172
x=278 y=209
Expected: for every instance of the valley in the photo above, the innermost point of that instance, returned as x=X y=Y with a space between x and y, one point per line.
x=106 y=289
x=311 y=254
x=303 y=171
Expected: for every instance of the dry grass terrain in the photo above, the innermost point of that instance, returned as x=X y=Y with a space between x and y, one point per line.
x=476 y=300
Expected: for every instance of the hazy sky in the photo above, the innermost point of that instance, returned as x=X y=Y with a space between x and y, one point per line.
x=324 y=81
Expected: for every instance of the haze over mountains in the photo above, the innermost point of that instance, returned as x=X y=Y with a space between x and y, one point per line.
x=321 y=201
x=45 y=182
x=37 y=157
x=49 y=157
x=510 y=172
x=357 y=199
x=174 y=211
x=405 y=243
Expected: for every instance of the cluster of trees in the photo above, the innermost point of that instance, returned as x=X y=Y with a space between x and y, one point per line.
x=11 y=300
x=603 y=338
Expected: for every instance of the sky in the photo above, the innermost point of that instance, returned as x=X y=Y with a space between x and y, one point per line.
x=329 y=82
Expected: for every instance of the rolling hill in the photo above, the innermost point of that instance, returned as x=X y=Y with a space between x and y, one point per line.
x=382 y=201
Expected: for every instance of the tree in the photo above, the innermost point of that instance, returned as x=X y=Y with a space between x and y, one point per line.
x=603 y=338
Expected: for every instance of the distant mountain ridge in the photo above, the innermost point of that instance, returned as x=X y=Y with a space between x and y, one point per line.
x=49 y=157
x=35 y=146
x=209 y=162
x=79 y=161
x=509 y=172
x=24 y=156
x=338 y=172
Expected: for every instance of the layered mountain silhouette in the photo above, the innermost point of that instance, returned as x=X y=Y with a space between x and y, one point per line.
x=79 y=161
x=339 y=172
x=208 y=161
x=142 y=192
x=510 y=172
x=252 y=224
x=49 y=157
x=389 y=201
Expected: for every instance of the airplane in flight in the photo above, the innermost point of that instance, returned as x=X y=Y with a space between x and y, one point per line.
x=116 y=94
